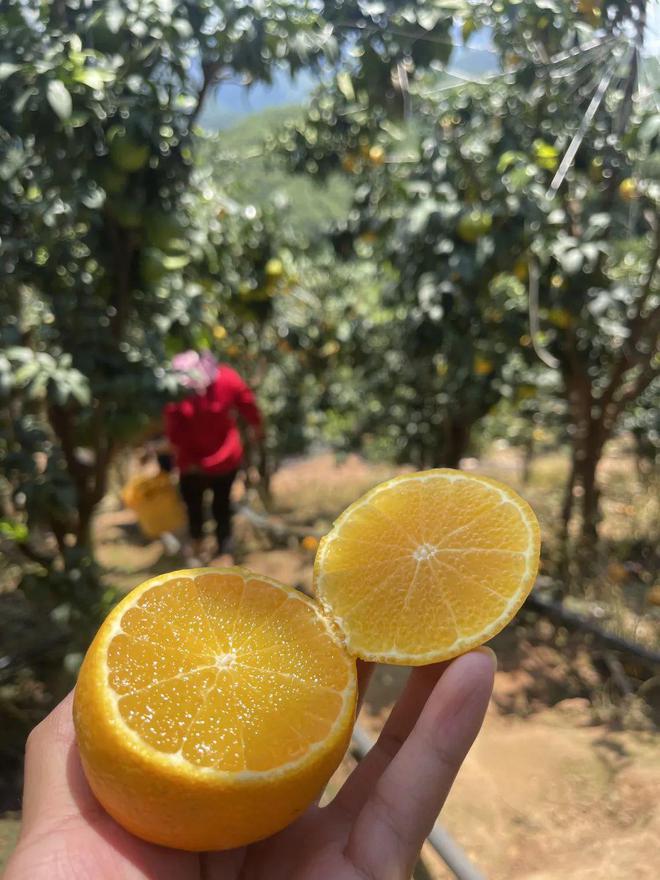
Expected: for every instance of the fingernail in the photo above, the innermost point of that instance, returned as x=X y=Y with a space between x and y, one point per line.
x=484 y=649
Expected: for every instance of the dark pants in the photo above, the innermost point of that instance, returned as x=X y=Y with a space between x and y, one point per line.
x=193 y=487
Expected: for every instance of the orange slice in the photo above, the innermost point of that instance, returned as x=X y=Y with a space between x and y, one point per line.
x=211 y=708
x=427 y=565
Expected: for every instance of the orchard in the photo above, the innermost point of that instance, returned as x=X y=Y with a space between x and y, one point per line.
x=442 y=252
x=519 y=221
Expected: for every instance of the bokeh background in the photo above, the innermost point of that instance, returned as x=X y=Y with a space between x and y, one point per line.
x=427 y=233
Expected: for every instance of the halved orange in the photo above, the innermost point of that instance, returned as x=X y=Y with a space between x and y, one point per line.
x=213 y=705
x=427 y=565
x=211 y=708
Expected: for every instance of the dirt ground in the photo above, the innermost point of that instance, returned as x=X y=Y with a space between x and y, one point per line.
x=564 y=779
x=550 y=795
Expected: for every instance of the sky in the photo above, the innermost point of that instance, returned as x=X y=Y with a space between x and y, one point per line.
x=233 y=101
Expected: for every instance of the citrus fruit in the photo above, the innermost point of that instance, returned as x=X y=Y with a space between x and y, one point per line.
x=274 y=268
x=521 y=269
x=561 y=318
x=376 y=155
x=214 y=704
x=309 y=542
x=127 y=152
x=211 y=708
x=474 y=225
x=349 y=163
x=628 y=190
x=427 y=565
x=482 y=366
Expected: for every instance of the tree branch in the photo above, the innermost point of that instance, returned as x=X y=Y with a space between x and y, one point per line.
x=104 y=452
x=210 y=71
x=644 y=379
x=60 y=421
x=637 y=327
x=632 y=79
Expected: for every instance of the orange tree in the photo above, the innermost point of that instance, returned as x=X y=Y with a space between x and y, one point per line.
x=109 y=261
x=519 y=214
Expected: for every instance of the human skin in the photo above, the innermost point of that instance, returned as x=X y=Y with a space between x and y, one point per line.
x=372 y=830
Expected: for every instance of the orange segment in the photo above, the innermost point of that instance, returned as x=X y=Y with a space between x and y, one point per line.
x=211 y=707
x=427 y=565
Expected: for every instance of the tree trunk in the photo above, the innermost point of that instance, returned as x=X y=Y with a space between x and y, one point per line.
x=528 y=458
x=590 y=498
x=588 y=441
x=455 y=446
x=567 y=503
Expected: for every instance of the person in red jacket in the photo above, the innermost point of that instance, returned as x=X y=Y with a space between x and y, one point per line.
x=206 y=441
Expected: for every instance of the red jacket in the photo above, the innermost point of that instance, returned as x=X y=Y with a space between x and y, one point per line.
x=202 y=430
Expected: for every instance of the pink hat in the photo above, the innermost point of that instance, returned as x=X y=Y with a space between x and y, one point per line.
x=196 y=370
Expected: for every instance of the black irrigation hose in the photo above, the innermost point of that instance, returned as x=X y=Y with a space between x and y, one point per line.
x=557 y=612
x=534 y=602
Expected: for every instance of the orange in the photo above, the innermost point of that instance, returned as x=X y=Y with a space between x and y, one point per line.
x=309 y=542
x=212 y=707
x=427 y=565
x=376 y=155
x=628 y=189
x=214 y=704
x=482 y=366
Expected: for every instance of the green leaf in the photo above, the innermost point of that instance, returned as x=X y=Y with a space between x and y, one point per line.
x=24 y=375
x=93 y=77
x=183 y=28
x=80 y=391
x=13 y=531
x=571 y=261
x=20 y=102
x=598 y=223
x=79 y=119
x=648 y=130
x=172 y=262
x=345 y=85
x=508 y=159
x=7 y=68
x=545 y=155
x=59 y=99
x=114 y=17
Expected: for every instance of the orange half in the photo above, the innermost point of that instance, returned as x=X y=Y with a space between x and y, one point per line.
x=427 y=565
x=211 y=708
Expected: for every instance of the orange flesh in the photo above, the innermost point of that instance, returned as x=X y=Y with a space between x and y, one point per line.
x=427 y=566
x=228 y=672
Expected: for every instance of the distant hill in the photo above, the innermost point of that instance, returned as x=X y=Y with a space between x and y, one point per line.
x=231 y=102
x=248 y=176
x=242 y=117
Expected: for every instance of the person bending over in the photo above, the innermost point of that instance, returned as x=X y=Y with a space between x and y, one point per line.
x=206 y=441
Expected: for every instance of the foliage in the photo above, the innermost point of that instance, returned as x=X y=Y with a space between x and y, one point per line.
x=117 y=250
x=472 y=208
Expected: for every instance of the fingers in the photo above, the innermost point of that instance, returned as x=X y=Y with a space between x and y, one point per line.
x=364 y=673
x=362 y=780
x=402 y=807
x=54 y=781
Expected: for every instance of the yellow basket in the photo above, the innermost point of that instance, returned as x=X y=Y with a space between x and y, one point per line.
x=157 y=504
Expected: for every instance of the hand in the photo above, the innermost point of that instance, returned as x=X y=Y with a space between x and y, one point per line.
x=372 y=830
